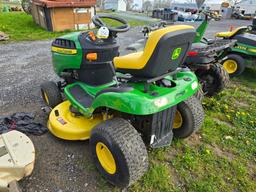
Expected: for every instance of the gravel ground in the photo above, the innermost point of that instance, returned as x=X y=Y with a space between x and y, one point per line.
x=61 y=166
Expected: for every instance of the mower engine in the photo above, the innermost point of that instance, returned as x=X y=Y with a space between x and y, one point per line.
x=73 y=54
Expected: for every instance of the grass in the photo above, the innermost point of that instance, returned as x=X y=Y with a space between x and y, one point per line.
x=21 y=27
x=221 y=157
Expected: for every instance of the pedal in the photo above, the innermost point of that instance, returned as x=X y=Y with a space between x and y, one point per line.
x=74 y=111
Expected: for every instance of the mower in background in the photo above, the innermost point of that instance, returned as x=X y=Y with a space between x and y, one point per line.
x=243 y=54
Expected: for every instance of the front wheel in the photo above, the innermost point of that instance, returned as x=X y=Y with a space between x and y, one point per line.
x=118 y=152
x=51 y=94
x=188 y=118
x=214 y=80
x=234 y=65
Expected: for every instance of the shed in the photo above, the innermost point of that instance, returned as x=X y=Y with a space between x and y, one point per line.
x=60 y=15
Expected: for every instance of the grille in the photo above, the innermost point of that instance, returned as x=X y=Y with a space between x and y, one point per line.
x=64 y=43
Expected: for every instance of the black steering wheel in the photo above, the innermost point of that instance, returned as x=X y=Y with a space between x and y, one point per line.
x=97 y=20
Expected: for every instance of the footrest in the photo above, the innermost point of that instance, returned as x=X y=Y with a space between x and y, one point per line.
x=81 y=96
x=80 y=99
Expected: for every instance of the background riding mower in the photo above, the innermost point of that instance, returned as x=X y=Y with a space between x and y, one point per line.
x=113 y=100
x=243 y=54
x=203 y=57
x=206 y=56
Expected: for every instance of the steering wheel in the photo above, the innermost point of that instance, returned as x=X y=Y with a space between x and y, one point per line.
x=97 y=20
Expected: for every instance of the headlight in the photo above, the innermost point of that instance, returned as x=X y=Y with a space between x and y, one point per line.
x=161 y=102
x=194 y=85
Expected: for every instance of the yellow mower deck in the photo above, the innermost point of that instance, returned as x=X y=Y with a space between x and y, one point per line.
x=70 y=127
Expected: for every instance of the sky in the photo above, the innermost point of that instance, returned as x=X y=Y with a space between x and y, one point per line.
x=139 y=2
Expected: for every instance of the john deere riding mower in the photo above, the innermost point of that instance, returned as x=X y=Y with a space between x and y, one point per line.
x=122 y=103
x=243 y=54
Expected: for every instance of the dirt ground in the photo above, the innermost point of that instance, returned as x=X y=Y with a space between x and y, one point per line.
x=61 y=166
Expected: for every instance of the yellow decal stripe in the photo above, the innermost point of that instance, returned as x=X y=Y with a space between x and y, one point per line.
x=252 y=50
x=64 y=50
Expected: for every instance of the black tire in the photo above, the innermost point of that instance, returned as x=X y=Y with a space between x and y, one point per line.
x=192 y=114
x=199 y=94
x=240 y=61
x=214 y=80
x=127 y=148
x=50 y=90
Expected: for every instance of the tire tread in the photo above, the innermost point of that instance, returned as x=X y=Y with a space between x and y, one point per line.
x=131 y=144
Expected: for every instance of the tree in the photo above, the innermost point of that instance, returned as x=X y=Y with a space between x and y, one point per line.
x=100 y=3
x=128 y=4
x=27 y=6
x=134 y=6
x=236 y=2
x=147 y=6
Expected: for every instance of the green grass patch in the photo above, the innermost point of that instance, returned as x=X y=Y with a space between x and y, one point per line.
x=21 y=27
x=132 y=22
x=156 y=179
x=248 y=78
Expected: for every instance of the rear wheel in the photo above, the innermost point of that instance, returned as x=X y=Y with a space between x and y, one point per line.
x=51 y=94
x=188 y=118
x=234 y=65
x=199 y=94
x=214 y=80
x=118 y=152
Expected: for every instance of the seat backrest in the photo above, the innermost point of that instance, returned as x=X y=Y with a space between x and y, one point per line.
x=165 y=50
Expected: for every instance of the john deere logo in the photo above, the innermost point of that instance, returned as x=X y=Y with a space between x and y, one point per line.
x=176 y=53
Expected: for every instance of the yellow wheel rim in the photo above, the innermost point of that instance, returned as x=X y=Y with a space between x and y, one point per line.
x=230 y=66
x=177 y=120
x=106 y=158
x=46 y=98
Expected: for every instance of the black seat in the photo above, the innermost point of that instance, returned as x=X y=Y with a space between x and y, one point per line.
x=246 y=38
